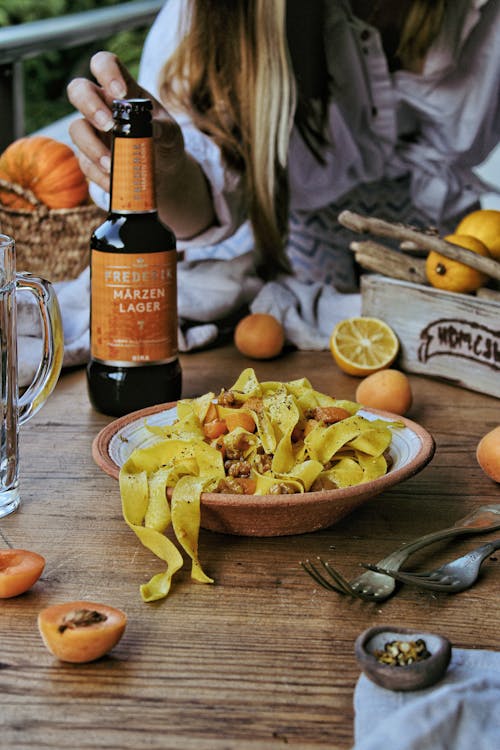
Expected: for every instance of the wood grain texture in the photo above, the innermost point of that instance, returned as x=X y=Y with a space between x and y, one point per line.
x=376 y=257
x=421 y=239
x=264 y=658
x=442 y=334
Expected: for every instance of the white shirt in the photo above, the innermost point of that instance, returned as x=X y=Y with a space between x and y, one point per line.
x=435 y=125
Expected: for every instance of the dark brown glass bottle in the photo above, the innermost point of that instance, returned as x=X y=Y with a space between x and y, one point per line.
x=133 y=321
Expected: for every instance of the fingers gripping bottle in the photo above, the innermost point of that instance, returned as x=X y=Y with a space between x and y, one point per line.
x=133 y=321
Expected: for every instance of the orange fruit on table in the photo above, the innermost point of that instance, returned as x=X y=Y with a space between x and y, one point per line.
x=451 y=275
x=488 y=454
x=19 y=570
x=259 y=336
x=363 y=345
x=485 y=225
x=388 y=390
x=81 y=631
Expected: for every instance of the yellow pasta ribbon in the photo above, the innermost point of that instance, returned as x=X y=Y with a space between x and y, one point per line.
x=346 y=473
x=324 y=441
x=373 y=466
x=247 y=384
x=372 y=441
x=134 y=491
x=186 y=519
x=147 y=512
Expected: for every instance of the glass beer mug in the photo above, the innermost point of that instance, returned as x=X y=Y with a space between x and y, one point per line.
x=16 y=409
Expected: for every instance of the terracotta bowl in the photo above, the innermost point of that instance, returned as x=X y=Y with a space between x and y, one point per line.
x=270 y=515
x=415 y=676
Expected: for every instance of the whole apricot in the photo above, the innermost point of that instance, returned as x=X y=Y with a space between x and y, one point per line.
x=81 y=631
x=388 y=390
x=488 y=454
x=259 y=336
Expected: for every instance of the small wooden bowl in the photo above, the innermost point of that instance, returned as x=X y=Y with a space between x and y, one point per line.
x=415 y=676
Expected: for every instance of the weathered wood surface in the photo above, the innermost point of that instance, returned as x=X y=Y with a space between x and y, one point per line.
x=486 y=293
x=443 y=334
x=376 y=257
x=424 y=240
x=262 y=659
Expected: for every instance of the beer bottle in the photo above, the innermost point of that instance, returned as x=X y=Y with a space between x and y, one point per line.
x=133 y=319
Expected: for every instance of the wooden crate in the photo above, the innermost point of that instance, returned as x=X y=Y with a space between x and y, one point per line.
x=445 y=335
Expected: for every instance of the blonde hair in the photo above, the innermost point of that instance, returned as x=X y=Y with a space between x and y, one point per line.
x=422 y=26
x=232 y=74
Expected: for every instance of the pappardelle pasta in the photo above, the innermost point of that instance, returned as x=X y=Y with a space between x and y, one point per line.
x=259 y=438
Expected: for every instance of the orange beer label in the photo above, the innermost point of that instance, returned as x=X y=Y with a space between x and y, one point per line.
x=134 y=308
x=133 y=178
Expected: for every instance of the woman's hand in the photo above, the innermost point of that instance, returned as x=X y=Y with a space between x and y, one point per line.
x=177 y=174
x=91 y=134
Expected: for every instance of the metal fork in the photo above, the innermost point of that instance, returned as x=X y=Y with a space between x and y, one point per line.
x=450 y=578
x=375 y=586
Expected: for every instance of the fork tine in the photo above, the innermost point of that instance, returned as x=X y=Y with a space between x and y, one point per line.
x=310 y=568
x=340 y=580
x=313 y=571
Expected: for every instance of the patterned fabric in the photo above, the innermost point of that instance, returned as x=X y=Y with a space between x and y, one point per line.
x=318 y=246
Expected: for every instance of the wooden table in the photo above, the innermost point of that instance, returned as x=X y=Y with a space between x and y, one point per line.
x=263 y=658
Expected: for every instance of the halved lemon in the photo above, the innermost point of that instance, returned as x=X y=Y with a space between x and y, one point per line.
x=362 y=345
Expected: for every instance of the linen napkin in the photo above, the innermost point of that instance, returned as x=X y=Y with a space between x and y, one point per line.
x=212 y=295
x=458 y=713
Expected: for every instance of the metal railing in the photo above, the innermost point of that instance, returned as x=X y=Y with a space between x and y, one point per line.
x=18 y=43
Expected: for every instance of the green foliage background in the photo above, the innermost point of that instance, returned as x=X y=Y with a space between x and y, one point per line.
x=46 y=76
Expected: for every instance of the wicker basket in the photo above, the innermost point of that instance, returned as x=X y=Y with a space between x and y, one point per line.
x=51 y=243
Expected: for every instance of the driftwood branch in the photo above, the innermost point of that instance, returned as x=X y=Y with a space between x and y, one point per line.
x=485 y=293
x=402 y=233
x=374 y=257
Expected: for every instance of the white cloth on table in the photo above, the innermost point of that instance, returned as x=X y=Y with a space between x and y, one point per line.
x=210 y=294
x=458 y=713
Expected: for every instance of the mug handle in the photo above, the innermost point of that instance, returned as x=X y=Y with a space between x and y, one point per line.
x=49 y=369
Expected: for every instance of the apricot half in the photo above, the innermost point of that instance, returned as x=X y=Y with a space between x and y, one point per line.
x=81 y=631
x=19 y=570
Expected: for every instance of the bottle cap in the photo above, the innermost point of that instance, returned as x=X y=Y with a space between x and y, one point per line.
x=123 y=109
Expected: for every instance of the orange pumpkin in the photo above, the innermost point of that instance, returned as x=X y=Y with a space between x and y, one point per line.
x=10 y=198
x=48 y=168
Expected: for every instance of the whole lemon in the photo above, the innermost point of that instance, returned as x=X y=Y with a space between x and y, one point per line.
x=451 y=275
x=259 y=336
x=488 y=454
x=485 y=225
x=388 y=390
